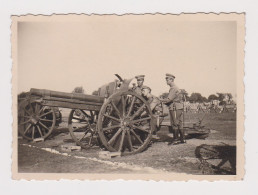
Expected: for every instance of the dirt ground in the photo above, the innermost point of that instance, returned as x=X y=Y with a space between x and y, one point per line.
x=214 y=155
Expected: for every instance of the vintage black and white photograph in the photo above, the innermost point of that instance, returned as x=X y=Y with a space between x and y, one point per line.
x=132 y=96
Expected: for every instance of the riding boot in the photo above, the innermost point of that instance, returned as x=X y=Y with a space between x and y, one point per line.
x=182 y=135
x=175 y=134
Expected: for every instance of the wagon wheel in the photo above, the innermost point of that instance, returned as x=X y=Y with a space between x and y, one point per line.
x=35 y=121
x=125 y=123
x=213 y=157
x=81 y=127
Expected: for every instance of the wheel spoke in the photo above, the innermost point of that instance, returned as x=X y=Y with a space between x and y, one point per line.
x=114 y=136
x=44 y=126
x=138 y=111
x=83 y=135
x=136 y=136
x=90 y=140
x=210 y=150
x=131 y=106
x=144 y=130
x=111 y=127
x=46 y=120
x=92 y=115
x=85 y=113
x=28 y=127
x=33 y=132
x=41 y=109
x=79 y=119
x=26 y=111
x=129 y=140
x=140 y=120
x=122 y=141
x=123 y=105
x=23 y=123
x=33 y=107
x=36 y=108
x=116 y=109
x=78 y=128
x=211 y=158
x=111 y=117
x=40 y=132
x=46 y=113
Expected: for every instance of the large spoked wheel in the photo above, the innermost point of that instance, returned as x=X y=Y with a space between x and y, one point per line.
x=35 y=121
x=82 y=128
x=125 y=123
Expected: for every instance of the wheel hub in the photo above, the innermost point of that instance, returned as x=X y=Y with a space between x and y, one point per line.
x=34 y=120
x=125 y=122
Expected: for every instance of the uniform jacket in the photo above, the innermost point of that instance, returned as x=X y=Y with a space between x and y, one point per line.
x=153 y=101
x=138 y=90
x=175 y=98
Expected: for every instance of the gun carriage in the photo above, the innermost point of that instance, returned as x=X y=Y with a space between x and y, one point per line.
x=120 y=119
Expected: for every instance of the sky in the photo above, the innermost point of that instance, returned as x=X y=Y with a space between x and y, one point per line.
x=61 y=55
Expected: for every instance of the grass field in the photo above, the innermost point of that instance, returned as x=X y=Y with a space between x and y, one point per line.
x=160 y=155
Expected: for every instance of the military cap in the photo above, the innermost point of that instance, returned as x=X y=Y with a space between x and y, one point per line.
x=146 y=87
x=170 y=76
x=140 y=77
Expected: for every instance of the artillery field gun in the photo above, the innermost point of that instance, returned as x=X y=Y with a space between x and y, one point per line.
x=120 y=119
x=114 y=115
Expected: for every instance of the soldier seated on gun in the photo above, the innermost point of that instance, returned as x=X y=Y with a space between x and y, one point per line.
x=154 y=103
x=140 y=81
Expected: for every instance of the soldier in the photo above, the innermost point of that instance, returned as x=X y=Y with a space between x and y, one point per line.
x=176 y=108
x=140 y=80
x=151 y=99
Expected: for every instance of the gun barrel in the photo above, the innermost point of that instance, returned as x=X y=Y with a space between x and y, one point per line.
x=76 y=96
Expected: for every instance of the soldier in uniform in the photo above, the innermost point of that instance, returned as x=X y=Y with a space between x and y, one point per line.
x=151 y=99
x=140 y=80
x=176 y=108
x=154 y=103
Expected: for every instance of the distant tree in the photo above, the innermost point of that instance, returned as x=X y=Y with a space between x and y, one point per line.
x=221 y=96
x=230 y=98
x=204 y=99
x=196 y=97
x=225 y=98
x=95 y=93
x=230 y=95
x=78 y=90
x=212 y=97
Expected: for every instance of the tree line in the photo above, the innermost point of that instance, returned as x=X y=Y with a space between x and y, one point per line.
x=193 y=98
x=197 y=97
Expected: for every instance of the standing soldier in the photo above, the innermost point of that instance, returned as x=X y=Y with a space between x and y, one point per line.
x=176 y=108
x=140 y=80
